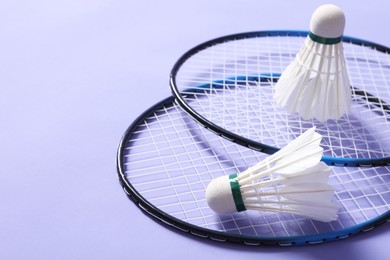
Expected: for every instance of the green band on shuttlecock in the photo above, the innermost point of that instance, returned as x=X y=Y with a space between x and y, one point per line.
x=323 y=40
x=235 y=187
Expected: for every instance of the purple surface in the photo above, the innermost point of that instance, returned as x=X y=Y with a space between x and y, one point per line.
x=74 y=75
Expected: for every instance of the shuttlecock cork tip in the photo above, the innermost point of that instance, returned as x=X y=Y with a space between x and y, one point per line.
x=219 y=196
x=328 y=21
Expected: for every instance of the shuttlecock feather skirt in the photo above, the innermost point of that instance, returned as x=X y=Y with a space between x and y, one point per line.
x=316 y=83
x=292 y=180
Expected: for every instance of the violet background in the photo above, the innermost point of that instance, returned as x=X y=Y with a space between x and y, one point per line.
x=74 y=74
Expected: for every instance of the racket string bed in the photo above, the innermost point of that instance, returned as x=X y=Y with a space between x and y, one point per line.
x=166 y=160
x=232 y=95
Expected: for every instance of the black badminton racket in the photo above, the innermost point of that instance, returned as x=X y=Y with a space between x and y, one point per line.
x=166 y=160
x=226 y=85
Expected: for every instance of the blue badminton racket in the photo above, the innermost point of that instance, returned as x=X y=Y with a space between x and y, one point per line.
x=166 y=160
x=226 y=85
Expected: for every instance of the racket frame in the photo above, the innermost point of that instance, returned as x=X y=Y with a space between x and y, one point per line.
x=188 y=228
x=249 y=143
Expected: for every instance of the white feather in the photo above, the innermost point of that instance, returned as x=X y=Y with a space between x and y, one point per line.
x=299 y=155
x=308 y=192
x=318 y=173
x=325 y=212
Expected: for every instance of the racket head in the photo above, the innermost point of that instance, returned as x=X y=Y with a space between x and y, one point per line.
x=226 y=85
x=165 y=161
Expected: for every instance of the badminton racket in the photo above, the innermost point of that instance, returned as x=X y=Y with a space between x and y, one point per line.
x=165 y=161
x=226 y=85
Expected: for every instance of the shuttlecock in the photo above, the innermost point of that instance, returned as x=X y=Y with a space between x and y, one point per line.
x=316 y=83
x=292 y=180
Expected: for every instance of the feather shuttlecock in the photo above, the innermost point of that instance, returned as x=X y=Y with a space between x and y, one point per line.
x=292 y=180
x=316 y=83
